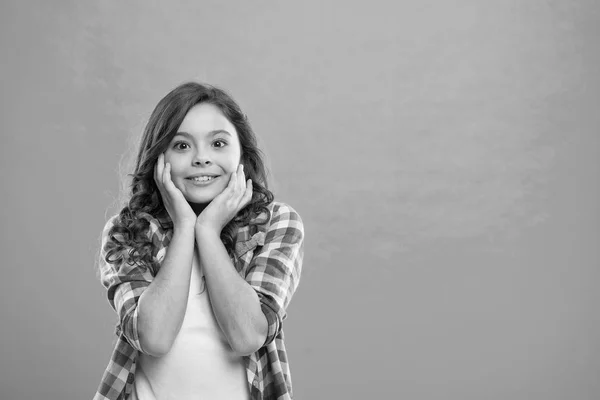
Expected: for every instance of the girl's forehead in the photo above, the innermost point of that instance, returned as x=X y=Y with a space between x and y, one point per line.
x=204 y=119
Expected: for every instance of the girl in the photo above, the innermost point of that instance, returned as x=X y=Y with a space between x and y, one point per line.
x=201 y=263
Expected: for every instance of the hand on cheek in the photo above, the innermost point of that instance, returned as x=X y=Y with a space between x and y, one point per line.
x=236 y=195
x=175 y=203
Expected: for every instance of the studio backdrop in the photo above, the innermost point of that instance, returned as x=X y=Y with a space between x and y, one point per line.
x=444 y=157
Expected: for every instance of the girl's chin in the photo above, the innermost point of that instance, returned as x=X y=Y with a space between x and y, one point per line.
x=201 y=195
x=199 y=200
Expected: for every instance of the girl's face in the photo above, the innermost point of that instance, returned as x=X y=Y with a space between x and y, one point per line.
x=203 y=154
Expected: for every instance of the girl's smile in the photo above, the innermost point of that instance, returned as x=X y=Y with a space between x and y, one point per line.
x=202 y=179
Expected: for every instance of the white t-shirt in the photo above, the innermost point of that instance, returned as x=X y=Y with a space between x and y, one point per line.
x=200 y=365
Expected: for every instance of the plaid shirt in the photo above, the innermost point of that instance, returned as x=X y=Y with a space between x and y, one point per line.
x=269 y=259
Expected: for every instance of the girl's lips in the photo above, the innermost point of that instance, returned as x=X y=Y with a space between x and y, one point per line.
x=202 y=183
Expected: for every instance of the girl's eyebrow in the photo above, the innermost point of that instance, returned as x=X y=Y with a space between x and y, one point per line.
x=211 y=133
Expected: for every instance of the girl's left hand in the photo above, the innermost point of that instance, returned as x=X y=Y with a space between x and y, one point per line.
x=227 y=204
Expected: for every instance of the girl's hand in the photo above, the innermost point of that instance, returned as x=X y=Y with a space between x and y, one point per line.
x=227 y=204
x=179 y=210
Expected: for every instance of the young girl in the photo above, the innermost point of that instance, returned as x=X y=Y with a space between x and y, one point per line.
x=201 y=263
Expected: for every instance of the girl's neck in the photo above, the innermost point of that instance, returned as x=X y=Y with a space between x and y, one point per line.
x=198 y=208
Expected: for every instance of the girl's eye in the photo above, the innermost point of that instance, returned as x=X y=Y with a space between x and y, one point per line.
x=180 y=146
x=220 y=143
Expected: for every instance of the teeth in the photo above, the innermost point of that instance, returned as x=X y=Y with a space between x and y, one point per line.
x=203 y=178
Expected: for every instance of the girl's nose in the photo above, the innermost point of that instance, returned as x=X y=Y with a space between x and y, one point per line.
x=201 y=159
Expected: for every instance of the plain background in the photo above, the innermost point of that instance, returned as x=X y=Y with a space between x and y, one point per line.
x=444 y=156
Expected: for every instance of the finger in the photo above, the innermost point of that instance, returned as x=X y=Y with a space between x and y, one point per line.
x=167 y=182
x=158 y=172
x=158 y=168
x=241 y=184
x=231 y=184
x=247 y=194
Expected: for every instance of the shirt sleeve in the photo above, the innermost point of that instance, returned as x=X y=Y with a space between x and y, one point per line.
x=274 y=271
x=125 y=282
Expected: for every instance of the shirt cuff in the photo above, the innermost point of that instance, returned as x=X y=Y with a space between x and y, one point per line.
x=130 y=330
x=273 y=322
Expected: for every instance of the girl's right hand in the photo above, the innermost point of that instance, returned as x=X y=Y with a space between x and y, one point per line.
x=179 y=210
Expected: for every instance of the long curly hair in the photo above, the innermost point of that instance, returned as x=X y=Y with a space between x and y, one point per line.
x=128 y=238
